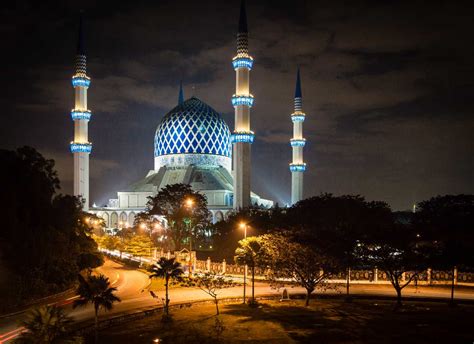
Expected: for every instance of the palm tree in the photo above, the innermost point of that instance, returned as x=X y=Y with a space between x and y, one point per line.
x=167 y=269
x=44 y=325
x=97 y=291
x=251 y=253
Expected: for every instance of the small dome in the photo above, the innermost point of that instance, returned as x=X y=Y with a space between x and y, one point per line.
x=192 y=127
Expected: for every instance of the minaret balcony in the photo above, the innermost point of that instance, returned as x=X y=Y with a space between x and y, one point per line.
x=242 y=100
x=242 y=62
x=297 y=142
x=298 y=116
x=298 y=167
x=242 y=136
x=81 y=81
x=81 y=114
x=77 y=147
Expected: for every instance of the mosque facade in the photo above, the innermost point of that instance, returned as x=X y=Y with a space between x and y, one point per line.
x=192 y=145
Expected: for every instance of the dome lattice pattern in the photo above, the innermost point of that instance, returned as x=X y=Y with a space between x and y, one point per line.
x=192 y=127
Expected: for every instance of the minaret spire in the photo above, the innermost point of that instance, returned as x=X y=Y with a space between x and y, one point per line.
x=81 y=147
x=298 y=93
x=297 y=167
x=181 y=94
x=243 y=18
x=242 y=101
x=81 y=44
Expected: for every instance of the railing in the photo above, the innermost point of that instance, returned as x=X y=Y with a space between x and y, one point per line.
x=376 y=276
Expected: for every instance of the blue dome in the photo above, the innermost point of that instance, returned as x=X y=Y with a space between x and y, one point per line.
x=192 y=127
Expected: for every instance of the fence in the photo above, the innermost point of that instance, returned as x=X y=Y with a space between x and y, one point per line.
x=376 y=276
x=428 y=277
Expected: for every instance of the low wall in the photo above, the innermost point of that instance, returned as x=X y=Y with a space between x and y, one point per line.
x=376 y=276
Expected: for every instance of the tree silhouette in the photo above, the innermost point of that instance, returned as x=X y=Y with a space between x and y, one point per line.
x=170 y=202
x=291 y=260
x=250 y=252
x=447 y=222
x=168 y=269
x=97 y=291
x=211 y=283
x=44 y=324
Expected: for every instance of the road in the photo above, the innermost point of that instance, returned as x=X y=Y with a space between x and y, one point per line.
x=132 y=289
x=129 y=284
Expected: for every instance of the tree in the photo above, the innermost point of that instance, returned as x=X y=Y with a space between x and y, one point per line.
x=44 y=324
x=111 y=242
x=170 y=202
x=289 y=259
x=168 y=269
x=227 y=233
x=336 y=225
x=211 y=283
x=97 y=291
x=45 y=241
x=447 y=222
x=251 y=253
x=397 y=252
x=139 y=245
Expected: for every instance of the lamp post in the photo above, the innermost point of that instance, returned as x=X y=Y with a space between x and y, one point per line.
x=244 y=227
x=189 y=204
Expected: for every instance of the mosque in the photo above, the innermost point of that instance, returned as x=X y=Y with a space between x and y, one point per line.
x=192 y=145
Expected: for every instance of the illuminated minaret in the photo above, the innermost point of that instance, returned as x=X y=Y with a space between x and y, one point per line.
x=242 y=100
x=297 y=167
x=81 y=147
x=181 y=94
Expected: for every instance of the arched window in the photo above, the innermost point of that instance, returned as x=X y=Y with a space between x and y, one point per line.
x=105 y=216
x=114 y=220
x=219 y=216
x=131 y=218
x=123 y=217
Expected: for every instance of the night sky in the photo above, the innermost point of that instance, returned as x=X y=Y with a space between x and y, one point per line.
x=387 y=88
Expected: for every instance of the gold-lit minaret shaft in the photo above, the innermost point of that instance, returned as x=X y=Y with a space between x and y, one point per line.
x=242 y=101
x=81 y=147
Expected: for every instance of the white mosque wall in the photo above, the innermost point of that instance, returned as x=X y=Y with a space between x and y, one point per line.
x=218 y=198
x=133 y=199
x=124 y=218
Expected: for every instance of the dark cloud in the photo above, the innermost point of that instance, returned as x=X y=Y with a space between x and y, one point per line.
x=387 y=88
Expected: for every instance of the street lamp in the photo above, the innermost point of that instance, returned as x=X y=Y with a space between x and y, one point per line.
x=189 y=204
x=243 y=226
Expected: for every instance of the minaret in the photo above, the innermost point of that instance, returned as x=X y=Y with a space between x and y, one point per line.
x=181 y=94
x=81 y=147
x=297 y=167
x=242 y=101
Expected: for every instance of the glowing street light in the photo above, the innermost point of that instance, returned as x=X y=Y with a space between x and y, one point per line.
x=243 y=226
x=189 y=204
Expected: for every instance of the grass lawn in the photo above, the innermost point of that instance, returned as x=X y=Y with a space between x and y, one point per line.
x=324 y=321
